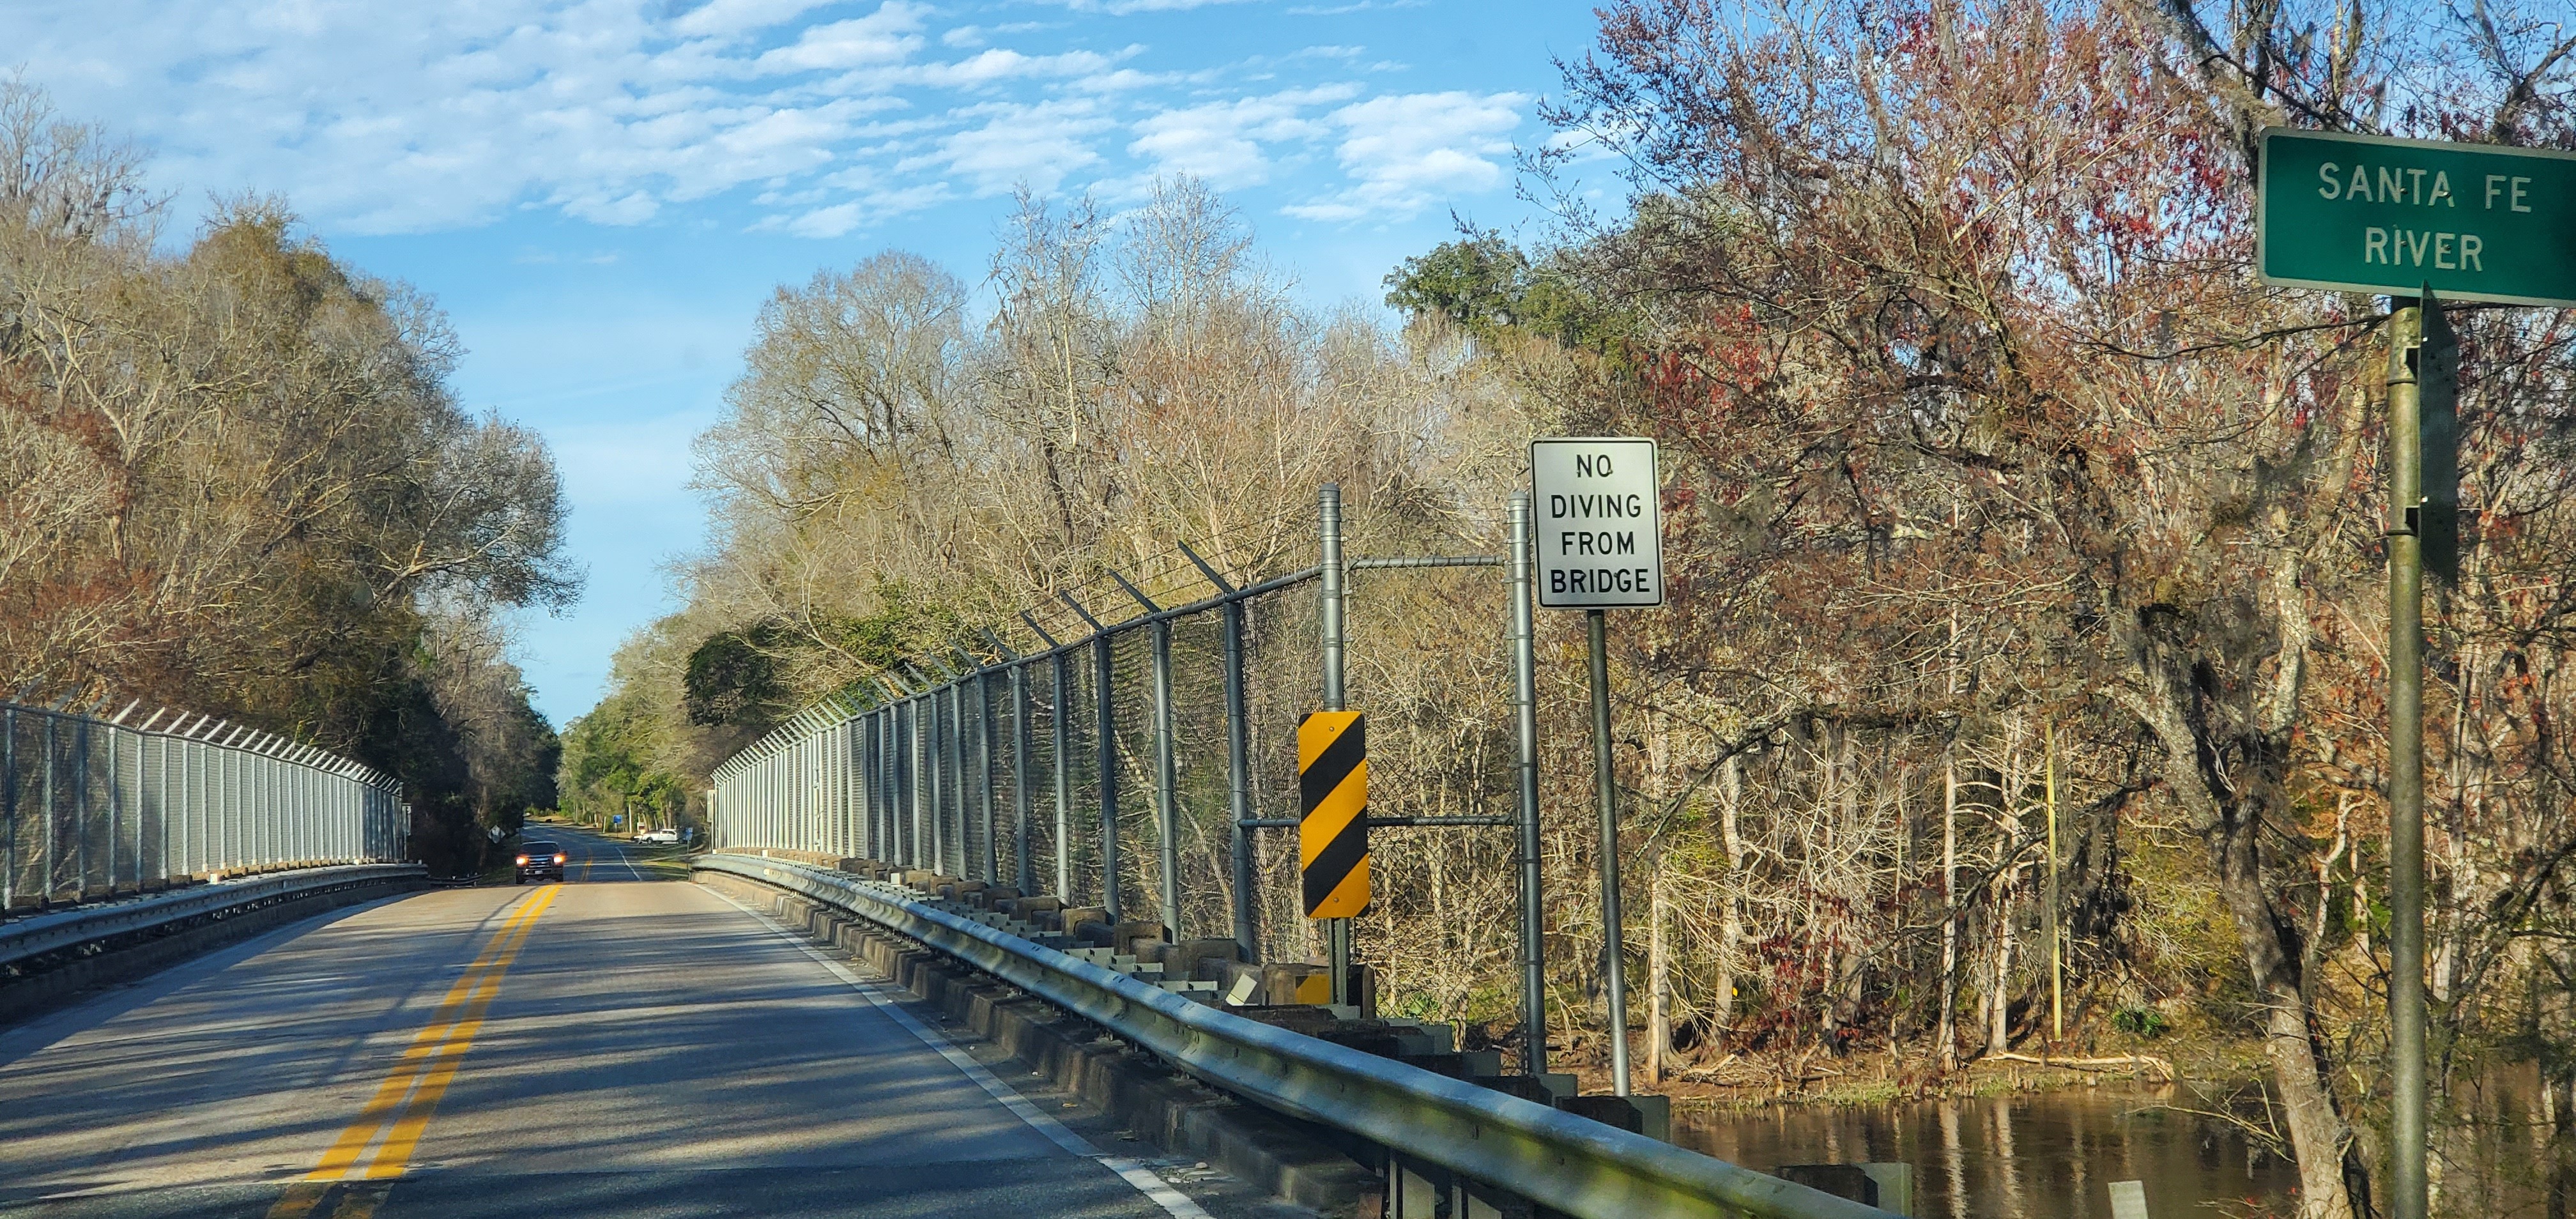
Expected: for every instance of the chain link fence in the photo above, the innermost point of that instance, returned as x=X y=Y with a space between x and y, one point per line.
x=1138 y=752
x=1106 y=769
x=93 y=809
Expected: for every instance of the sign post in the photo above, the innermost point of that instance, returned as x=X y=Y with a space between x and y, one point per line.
x=1600 y=547
x=1328 y=503
x=2412 y=219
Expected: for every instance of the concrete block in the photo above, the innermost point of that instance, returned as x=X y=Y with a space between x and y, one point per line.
x=1522 y=1086
x=1238 y=981
x=1131 y=936
x=1027 y=907
x=1197 y=958
x=1295 y=984
x=1846 y=1181
x=1075 y=916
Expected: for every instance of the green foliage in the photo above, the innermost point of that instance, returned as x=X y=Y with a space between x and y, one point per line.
x=733 y=677
x=1488 y=287
x=905 y=624
x=611 y=764
x=2143 y=1022
x=739 y=678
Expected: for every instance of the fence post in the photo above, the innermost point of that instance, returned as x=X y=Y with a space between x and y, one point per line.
x=984 y=761
x=1329 y=511
x=81 y=815
x=1167 y=810
x=960 y=847
x=1024 y=872
x=907 y=769
x=884 y=849
x=1525 y=715
x=186 y=844
x=870 y=785
x=115 y=807
x=937 y=846
x=237 y=805
x=1238 y=767
x=1062 y=674
x=45 y=896
x=890 y=774
x=921 y=785
x=1103 y=658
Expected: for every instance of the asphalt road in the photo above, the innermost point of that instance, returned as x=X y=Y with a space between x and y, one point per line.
x=610 y=1046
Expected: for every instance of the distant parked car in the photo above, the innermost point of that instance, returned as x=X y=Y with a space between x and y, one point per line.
x=665 y=836
x=544 y=860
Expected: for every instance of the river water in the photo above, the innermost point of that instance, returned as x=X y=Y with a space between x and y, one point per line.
x=2054 y=1155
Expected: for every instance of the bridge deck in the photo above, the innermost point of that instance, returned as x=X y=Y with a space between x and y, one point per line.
x=607 y=1047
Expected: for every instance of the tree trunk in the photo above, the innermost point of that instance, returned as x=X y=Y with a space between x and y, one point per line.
x=1999 y=982
x=2328 y=1165
x=1998 y=1007
x=1946 y=1037
x=1659 y=978
x=1730 y=795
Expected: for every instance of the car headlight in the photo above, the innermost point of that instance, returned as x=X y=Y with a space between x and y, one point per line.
x=559 y=859
x=523 y=861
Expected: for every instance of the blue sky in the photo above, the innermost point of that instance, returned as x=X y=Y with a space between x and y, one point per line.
x=601 y=192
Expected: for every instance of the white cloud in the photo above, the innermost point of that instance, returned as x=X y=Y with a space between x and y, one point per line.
x=1404 y=151
x=825 y=221
x=1122 y=8
x=1038 y=145
x=887 y=35
x=1003 y=64
x=635 y=207
x=1222 y=141
x=1357 y=6
x=733 y=18
x=379 y=119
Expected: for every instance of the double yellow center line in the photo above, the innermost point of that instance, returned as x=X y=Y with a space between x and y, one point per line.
x=378 y=1145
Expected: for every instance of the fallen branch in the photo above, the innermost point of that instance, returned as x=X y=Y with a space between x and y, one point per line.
x=2123 y=1062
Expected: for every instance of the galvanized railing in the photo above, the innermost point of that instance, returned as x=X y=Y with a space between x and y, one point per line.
x=93 y=808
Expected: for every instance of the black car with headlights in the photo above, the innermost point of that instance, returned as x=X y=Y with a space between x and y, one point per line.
x=542 y=860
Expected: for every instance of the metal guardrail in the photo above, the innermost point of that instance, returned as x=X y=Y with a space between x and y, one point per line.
x=1571 y=1164
x=36 y=936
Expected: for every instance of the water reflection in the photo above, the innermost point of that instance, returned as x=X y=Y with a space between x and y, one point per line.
x=2505 y=1149
x=2047 y=1155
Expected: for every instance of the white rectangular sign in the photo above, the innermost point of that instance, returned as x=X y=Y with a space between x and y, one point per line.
x=1599 y=522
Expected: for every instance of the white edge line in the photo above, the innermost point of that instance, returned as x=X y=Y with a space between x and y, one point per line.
x=1134 y=1172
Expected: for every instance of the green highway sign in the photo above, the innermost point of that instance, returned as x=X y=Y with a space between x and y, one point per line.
x=2364 y=213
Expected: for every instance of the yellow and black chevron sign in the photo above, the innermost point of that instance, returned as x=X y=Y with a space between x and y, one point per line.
x=1332 y=830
